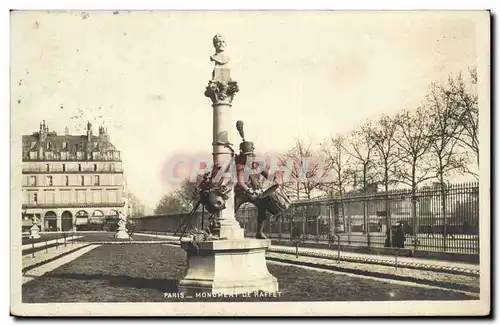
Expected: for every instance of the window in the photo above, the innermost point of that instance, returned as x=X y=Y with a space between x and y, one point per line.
x=66 y=180
x=95 y=167
x=111 y=167
x=65 y=146
x=35 y=198
x=32 y=181
x=96 y=180
x=47 y=167
x=79 y=167
x=49 y=181
x=33 y=155
x=82 y=180
x=64 y=168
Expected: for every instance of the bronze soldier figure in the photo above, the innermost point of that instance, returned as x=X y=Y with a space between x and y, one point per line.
x=274 y=201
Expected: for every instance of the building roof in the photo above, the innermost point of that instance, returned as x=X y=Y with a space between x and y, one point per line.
x=50 y=142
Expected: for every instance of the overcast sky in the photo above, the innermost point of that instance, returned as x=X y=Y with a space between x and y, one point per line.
x=301 y=75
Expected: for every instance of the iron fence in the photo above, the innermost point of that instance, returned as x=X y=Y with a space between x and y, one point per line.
x=447 y=219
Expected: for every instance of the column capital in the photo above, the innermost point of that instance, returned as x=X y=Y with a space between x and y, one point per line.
x=221 y=92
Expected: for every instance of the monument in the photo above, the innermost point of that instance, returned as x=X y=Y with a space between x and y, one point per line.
x=121 y=232
x=226 y=262
x=34 y=230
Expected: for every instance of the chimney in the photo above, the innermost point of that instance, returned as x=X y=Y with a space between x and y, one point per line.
x=43 y=132
x=89 y=131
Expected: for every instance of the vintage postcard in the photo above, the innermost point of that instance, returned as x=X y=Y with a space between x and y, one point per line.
x=250 y=163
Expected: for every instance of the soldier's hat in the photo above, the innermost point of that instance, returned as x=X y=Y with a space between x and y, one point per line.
x=246 y=147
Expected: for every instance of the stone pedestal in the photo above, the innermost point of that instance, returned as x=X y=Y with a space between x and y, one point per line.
x=227 y=267
x=122 y=233
x=34 y=232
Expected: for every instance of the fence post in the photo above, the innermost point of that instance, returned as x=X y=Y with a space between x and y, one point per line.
x=415 y=220
x=46 y=247
x=396 y=263
x=349 y=226
x=329 y=226
x=317 y=228
x=304 y=221
x=338 y=244
x=33 y=248
x=279 y=226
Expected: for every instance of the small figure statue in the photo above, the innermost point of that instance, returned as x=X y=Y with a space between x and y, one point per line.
x=220 y=45
x=122 y=221
x=34 y=228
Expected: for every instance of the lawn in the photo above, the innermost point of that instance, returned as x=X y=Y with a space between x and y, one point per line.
x=144 y=272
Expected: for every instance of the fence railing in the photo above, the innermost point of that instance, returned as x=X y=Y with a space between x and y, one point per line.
x=432 y=219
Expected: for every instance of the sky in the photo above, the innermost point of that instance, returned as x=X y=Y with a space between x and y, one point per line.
x=302 y=75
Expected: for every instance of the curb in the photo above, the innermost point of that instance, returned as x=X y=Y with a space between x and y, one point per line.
x=130 y=242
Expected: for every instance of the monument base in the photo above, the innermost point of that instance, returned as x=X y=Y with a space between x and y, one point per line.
x=122 y=234
x=227 y=267
x=34 y=232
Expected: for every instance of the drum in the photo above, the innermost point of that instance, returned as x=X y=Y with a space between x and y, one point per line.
x=278 y=201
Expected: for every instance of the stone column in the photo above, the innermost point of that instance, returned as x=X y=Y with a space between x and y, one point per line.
x=221 y=91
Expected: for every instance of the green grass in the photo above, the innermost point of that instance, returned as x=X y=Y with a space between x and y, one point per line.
x=144 y=272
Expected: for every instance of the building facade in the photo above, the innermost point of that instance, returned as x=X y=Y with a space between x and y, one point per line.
x=71 y=181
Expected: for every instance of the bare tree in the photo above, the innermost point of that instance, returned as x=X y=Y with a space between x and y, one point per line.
x=414 y=141
x=361 y=148
x=384 y=137
x=338 y=163
x=307 y=171
x=463 y=97
x=446 y=157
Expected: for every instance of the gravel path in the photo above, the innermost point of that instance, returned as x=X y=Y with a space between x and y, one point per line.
x=42 y=256
x=446 y=280
x=47 y=267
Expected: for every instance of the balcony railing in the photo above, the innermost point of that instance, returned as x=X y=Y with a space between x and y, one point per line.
x=77 y=186
x=73 y=205
x=59 y=171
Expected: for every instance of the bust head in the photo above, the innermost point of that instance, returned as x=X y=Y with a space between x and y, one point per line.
x=219 y=43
